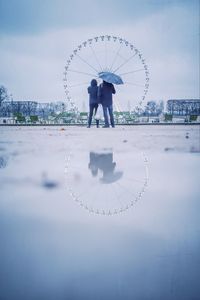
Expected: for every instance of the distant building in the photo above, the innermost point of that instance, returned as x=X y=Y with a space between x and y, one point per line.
x=7 y=120
x=183 y=107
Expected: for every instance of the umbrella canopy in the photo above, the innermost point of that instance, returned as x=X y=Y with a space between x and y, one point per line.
x=111 y=77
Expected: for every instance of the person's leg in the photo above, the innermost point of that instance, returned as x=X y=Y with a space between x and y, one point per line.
x=90 y=115
x=105 y=114
x=95 y=111
x=110 y=109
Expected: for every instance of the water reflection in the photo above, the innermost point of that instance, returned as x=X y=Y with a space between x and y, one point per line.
x=103 y=163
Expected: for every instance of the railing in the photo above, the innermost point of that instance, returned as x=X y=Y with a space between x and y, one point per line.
x=121 y=118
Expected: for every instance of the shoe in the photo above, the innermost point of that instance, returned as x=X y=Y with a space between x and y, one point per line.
x=88 y=126
x=105 y=126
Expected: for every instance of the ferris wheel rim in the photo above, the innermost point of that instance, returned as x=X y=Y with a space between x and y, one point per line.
x=106 y=38
x=111 y=211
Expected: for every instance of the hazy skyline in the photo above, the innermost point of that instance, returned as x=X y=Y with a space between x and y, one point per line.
x=36 y=38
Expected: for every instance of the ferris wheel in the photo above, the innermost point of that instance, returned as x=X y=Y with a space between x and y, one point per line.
x=113 y=55
x=100 y=182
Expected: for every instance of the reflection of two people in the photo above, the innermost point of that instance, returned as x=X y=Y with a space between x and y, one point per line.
x=104 y=163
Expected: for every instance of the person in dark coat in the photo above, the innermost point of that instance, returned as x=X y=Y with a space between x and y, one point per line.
x=93 y=101
x=105 y=92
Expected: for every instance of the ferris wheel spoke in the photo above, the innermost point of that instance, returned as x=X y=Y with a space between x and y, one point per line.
x=77 y=85
x=118 y=194
x=94 y=53
x=84 y=191
x=126 y=189
x=93 y=191
x=75 y=71
x=134 y=179
x=122 y=74
x=87 y=63
x=135 y=84
x=106 y=56
x=115 y=57
x=121 y=57
x=114 y=194
x=125 y=62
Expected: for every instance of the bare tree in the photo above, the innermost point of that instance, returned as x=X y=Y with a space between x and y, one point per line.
x=154 y=108
x=3 y=94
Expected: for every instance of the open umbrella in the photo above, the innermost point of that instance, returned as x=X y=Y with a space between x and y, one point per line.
x=110 y=77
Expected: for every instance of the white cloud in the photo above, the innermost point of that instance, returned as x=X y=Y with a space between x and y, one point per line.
x=32 y=66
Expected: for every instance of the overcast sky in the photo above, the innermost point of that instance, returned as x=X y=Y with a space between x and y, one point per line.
x=36 y=38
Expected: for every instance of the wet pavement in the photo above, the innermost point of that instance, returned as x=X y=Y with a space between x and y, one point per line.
x=100 y=213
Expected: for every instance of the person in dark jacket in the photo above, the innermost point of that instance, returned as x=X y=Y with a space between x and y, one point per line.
x=93 y=101
x=105 y=92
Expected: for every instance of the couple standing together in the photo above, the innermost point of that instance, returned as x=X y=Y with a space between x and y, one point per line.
x=101 y=94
